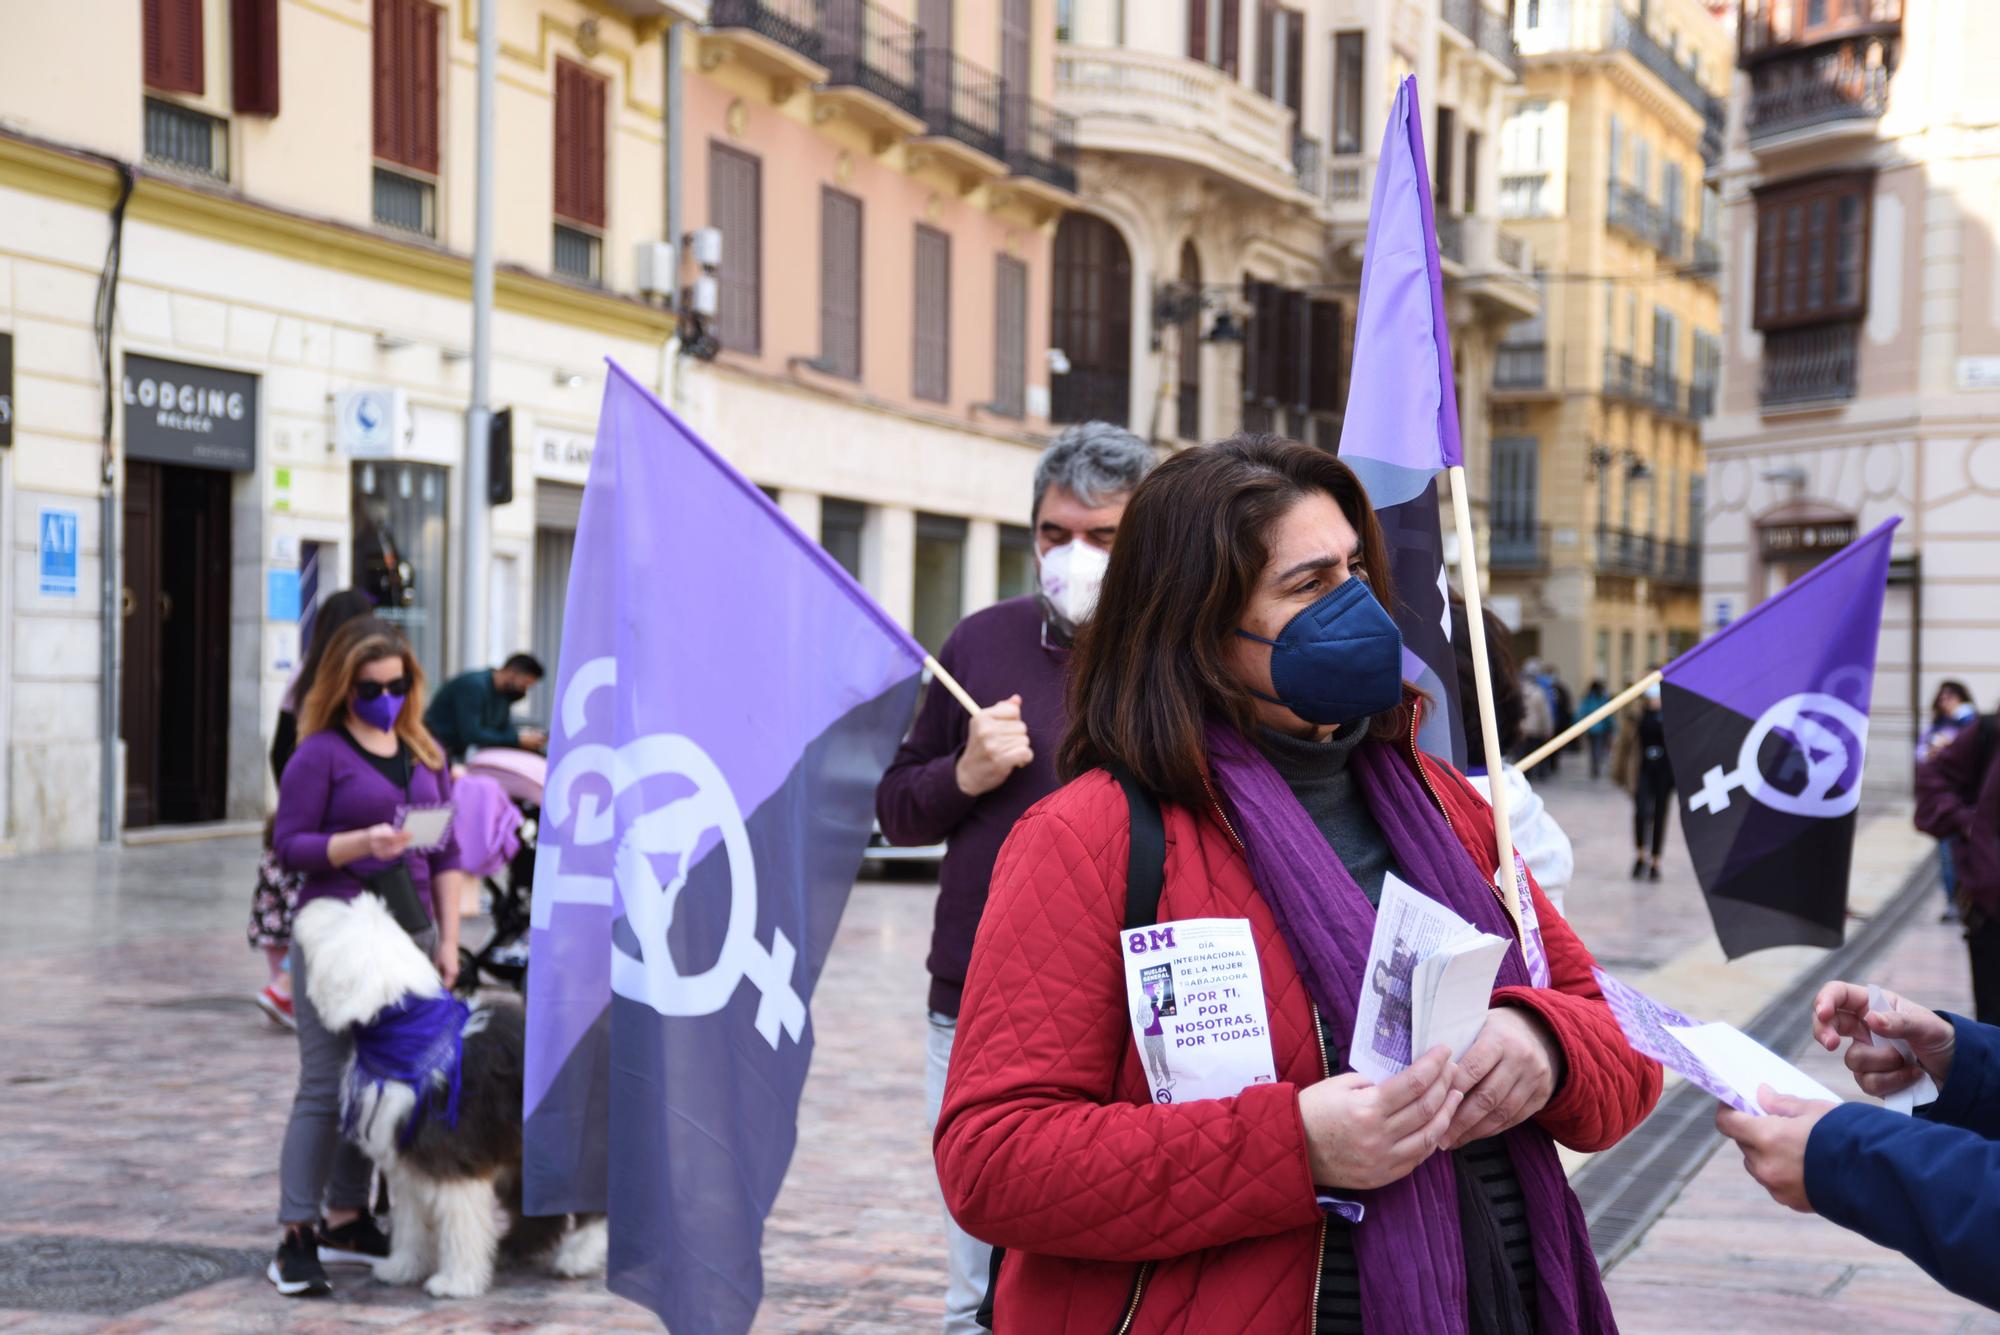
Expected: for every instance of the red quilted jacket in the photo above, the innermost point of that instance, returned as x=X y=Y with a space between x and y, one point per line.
x=1121 y=1215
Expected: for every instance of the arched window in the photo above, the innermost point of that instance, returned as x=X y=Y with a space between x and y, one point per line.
x=1091 y=322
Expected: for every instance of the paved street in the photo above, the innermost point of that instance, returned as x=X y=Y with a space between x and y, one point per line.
x=143 y=1100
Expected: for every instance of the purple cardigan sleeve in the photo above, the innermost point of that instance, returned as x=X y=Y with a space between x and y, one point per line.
x=444 y=857
x=919 y=801
x=298 y=832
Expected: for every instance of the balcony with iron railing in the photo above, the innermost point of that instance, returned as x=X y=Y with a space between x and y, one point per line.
x=1521 y=366
x=1667 y=393
x=781 y=37
x=1768 y=27
x=1626 y=379
x=1129 y=101
x=1628 y=210
x=869 y=50
x=1488 y=31
x=1629 y=34
x=1812 y=366
x=1518 y=546
x=1041 y=143
x=1306 y=163
x=1707 y=259
x=1701 y=400
x=962 y=108
x=1623 y=552
x=1451 y=237
x=1841 y=87
x=1679 y=564
x=1091 y=394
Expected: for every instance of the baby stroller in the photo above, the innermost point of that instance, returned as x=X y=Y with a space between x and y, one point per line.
x=508 y=865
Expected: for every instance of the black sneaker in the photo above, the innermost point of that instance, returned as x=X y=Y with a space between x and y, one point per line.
x=296 y=1270
x=359 y=1241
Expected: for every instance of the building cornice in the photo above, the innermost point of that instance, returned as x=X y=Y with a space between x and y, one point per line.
x=82 y=178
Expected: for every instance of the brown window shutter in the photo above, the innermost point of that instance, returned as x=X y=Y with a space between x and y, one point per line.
x=386 y=49
x=1010 y=336
x=579 y=144
x=1324 y=341
x=173 y=44
x=1293 y=350
x=1197 y=33
x=425 y=19
x=840 y=282
x=735 y=208
x=1232 y=35
x=253 y=56
x=931 y=369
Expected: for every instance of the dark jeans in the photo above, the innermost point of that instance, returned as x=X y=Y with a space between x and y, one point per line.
x=1649 y=805
x=1600 y=748
x=1982 y=943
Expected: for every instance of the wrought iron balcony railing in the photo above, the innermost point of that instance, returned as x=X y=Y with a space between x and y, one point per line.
x=1091 y=394
x=1680 y=563
x=1306 y=162
x=1041 y=142
x=796 y=24
x=1519 y=546
x=1451 y=236
x=1815 y=364
x=962 y=101
x=1847 y=81
x=867 y=47
x=1622 y=552
x=1521 y=366
x=1629 y=34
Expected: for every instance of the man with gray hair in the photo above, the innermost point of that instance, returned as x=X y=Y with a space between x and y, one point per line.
x=967 y=779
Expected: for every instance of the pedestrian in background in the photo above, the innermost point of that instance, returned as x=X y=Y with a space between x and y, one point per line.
x=1958 y=799
x=1639 y=765
x=1595 y=697
x=1951 y=711
x=1537 y=837
x=476 y=708
x=1242 y=667
x=275 y=898
x=1562 y=710
x=363 y=755
x=1538 y=717
x=967 y=779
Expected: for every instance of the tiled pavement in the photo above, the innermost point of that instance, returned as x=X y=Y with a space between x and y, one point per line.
x=142 y=1099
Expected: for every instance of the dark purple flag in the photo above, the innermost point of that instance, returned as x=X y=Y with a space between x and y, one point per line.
x=1401 y=427
x=1767 y=732
x=726 y=701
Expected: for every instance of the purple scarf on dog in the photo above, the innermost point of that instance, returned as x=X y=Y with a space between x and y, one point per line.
x=1409 y=1251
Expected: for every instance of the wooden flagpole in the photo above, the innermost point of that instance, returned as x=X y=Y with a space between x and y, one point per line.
x=1590 y=720
x=1482 y=676
x=958 y=693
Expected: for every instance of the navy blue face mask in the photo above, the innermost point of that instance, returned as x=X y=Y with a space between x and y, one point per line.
x=1339 y=660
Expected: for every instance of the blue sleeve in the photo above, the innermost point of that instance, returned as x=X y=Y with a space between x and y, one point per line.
x=1929 y=1191
x=1971 y=1095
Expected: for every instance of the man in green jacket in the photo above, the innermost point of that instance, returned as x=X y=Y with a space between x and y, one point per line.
x=475 y=708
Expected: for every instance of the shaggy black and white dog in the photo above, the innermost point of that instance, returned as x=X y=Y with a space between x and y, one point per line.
x=433 y=1095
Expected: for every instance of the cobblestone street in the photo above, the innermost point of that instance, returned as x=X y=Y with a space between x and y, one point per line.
x=143 y=1099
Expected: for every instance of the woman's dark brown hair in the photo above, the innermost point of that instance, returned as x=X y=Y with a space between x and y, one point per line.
x=1153 y=662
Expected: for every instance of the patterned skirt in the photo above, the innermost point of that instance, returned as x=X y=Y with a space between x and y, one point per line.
x=272 y=905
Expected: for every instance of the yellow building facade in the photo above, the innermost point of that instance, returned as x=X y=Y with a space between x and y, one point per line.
x=1597 y=479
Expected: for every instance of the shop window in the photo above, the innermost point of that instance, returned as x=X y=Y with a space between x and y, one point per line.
x=940 y=579
x=400 y=545
x=1017 y=561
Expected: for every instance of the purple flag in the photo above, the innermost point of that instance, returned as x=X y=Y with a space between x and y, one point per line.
x=1402 y=414
x=1766 y=726
x=726 y=701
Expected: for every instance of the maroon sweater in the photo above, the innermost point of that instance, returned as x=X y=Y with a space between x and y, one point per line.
x=994 y=654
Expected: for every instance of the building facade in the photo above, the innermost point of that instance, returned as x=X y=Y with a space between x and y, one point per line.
x=1597 y=464
x=885 y=177
x=234 y=317
x=1207 y=283
x=1861 y=342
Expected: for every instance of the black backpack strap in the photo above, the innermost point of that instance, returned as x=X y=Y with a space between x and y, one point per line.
x=1145 y=878
x=1146 y=865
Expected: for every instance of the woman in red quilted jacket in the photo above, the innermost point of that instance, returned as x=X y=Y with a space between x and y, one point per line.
x=1241 y=666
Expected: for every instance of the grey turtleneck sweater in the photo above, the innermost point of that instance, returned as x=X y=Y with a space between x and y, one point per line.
x=1318 y=775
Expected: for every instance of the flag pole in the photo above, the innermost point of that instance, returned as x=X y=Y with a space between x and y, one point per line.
x=1590 y=720
x=1482 y=676
x=958 y=693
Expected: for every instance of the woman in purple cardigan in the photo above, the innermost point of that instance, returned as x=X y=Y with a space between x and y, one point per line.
x=362 y=756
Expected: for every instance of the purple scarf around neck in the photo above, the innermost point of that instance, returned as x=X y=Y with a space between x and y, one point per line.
x=1410 y=1255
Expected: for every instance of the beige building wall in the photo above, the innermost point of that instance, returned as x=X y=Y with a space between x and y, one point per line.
x=1600 y=568
x=1909 y=433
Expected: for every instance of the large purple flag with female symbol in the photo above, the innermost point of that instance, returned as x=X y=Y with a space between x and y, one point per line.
x=726 y=700
x=1767 y=733
x=1402 y=414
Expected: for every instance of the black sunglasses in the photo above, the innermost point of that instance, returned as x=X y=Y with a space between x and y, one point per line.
x=370 y=690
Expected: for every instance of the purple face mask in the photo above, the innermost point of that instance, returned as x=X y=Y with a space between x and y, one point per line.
x=381 y=712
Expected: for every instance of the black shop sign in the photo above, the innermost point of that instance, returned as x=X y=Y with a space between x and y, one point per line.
x=1809 y=541
x=199 y=416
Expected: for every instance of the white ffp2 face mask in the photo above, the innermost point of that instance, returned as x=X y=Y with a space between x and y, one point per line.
x=1071 y=576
